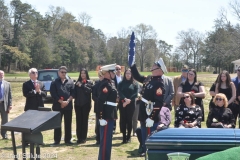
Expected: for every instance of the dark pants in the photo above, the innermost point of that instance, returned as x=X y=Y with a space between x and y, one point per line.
x=144 y=130
x=115 y=124
x=126 y=115
x=139 y=134
x=82 y=114
x=67 y=127
x=106 y=133
x=4 y=119
x=97 y=129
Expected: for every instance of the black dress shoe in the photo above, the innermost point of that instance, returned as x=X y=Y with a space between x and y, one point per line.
x=81 y=141
x=129 y=140
x=55 y=144
x=69 y=143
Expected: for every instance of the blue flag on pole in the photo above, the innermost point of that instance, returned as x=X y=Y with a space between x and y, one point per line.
x=131 y=53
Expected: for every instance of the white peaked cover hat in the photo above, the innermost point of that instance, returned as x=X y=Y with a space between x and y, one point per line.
x=161 y=64
x=110 y=67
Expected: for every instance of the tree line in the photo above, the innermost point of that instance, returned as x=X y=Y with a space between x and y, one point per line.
x=29 y=39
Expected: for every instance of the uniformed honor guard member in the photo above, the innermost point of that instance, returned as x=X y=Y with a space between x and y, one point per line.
x=107 y=111
x=152 y=94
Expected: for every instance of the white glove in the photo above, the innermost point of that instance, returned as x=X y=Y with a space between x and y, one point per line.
x=149 y=122
x=102 y=122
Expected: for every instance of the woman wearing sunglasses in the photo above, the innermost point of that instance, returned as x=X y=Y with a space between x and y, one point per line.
x=220 y=116
x=188 y=115
x=195 y=87
x=227 y=87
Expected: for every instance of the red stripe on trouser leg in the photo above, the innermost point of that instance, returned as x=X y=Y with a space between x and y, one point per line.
x=104 y=142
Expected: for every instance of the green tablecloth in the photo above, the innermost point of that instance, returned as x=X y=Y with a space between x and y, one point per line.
x=229 y=154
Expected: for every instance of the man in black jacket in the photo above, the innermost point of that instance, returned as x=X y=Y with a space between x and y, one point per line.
x=34 y=91
x=62 y=91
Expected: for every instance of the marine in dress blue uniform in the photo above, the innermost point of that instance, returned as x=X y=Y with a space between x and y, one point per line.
x=153 y=91
x=107 y=111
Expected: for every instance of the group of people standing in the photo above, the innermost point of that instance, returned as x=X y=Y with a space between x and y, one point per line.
x=150 y=102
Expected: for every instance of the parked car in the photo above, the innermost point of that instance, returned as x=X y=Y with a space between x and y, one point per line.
x=47 y=76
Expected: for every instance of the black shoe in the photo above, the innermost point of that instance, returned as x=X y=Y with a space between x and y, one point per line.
x=55 y=144
x=129 y=140
x=5 y=138
x=81 y=141
x=69 y=143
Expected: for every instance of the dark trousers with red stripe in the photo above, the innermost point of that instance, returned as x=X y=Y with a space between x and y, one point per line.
x=106 y=133
x=144 y=130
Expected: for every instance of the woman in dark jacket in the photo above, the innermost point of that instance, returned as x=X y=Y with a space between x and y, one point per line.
x=128 y=91
x=82 y=95
x=220 y=116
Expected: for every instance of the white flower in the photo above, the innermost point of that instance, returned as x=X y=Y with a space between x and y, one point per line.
x=215 y=120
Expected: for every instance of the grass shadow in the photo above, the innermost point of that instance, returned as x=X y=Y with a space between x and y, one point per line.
x=133 y=154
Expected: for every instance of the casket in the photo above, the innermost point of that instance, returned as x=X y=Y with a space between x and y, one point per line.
x=195 y=141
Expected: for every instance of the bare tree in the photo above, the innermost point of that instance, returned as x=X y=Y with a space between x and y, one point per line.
x=235 y=8
x=144 y=34
x=190 y=44
x=84 y=18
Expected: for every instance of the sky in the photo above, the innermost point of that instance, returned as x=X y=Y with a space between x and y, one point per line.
x=167 y=17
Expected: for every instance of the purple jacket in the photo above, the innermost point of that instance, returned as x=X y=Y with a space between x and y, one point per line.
x=165 y=116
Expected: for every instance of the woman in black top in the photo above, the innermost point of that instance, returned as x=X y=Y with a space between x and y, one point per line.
x=220 y=116
x=128 y=91
x=188 y=115
x=192 y=85
x=83 y=89
x=212 y=93
x=227 y=87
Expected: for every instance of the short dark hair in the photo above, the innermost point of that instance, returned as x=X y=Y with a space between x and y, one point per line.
x=62 y=67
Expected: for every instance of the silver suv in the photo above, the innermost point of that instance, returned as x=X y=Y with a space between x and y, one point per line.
x=47 y=76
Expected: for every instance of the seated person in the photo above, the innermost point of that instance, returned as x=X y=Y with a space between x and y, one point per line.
x=188 y=115
x=220 y=116
x=165 y=121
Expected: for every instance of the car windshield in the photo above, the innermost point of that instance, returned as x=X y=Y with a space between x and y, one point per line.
x=47 y=76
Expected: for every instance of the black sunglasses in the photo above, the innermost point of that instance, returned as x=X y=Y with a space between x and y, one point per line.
x=34 y=72
x=219 y=99
x=64 y=72
x=118 y=69
x=184 y=70
x=186 y=97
